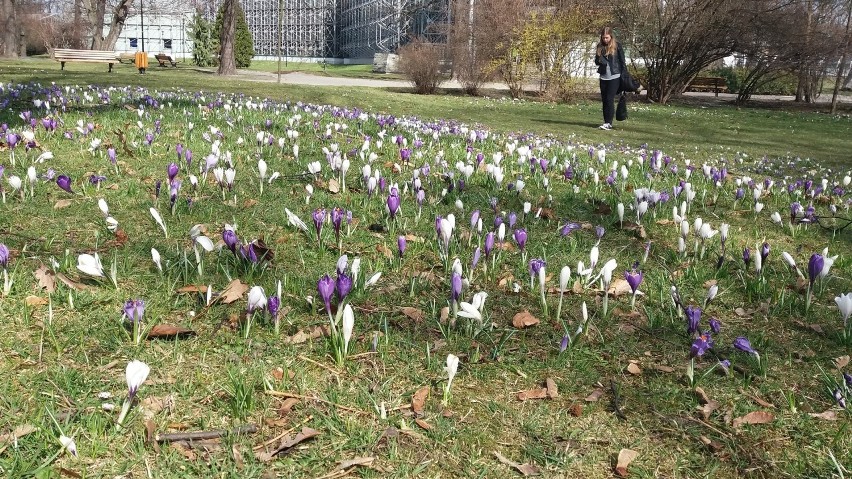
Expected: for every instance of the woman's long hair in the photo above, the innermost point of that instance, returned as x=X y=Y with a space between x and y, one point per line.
x=606 y=49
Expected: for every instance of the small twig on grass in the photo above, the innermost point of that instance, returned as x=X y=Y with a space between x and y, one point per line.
x=314 y=398
x=201 y=435
x=315 y=363
x=278 y=437
x=616 y=400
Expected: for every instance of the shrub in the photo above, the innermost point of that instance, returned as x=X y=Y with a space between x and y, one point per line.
x=420 y=63
x=204 y=43
x=243 y=43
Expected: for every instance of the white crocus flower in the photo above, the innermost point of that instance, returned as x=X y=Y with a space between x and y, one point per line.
x=159 y=219
x=112 y=223
x=844 y=304
x=620 y=209
x=136 y=374
x=261 y=169
x=564 y=278
x=205 y=243
x=451 y=369
x=348 y=326
x=373 y=280
x=355 y=269
x=68 y=444
x=102 y=204
x=15 y=182
x=155 y=256
x=256 y=298
x=90 y=265
x=828 y=262
x=776 y=218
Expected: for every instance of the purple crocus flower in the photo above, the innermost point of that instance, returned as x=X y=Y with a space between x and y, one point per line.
x=715 y=325
x=489 y=243
x=325 y=288
x=172 y=171
x=187 y=154
x=273 y=304
x=134 y=310
x=740 y=194
x=513 y=218
x=343 y=286
x=569 y=228
x=701 y=345
x=563 y=345
x=393 y=203
x=747 y=257
x=764 y=252
x=337 y=215
x=520 y=236
x=401 y=244
x=847 y=378
x=157 y=187
x=230 y=239
x=693 y=318
x=476 y=254
x=64 y=182
x=455 y=287
x=743 y=344
x=4 y=255
x=319 y=218
x=535 y=266
x=634 y=278
x=599 y=231
x=111 y=154
x=815 y=265
x=404 y=155
x=95 y=180
x=474 y=219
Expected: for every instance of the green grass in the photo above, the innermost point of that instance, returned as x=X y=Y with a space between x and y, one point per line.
x=56 y=364
x=325 y=69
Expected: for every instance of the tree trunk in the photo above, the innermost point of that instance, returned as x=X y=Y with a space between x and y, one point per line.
x=9 y=38
x=845 y=55
x=119 y=15
x=98 y=25
x=227 y=62
x=848 y=80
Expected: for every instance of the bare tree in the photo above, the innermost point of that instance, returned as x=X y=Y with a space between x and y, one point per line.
x=677 y=38
x=9 y=37
x=99 y=11
x=227 y=62
x=119 y=16
x=846 y=41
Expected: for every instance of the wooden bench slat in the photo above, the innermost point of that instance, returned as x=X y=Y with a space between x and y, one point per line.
x=64 y=55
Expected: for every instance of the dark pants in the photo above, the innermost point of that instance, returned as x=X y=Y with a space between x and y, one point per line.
x=609 y=88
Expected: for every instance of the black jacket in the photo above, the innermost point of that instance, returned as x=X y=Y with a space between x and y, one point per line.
x=617 y=64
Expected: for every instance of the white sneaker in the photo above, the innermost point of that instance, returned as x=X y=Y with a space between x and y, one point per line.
x=606 y=126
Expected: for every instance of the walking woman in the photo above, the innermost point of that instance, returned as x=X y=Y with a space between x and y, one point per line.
x=609 y=57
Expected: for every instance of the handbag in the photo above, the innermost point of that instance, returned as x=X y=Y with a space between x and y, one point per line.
x=628 y=83
x=621 y=109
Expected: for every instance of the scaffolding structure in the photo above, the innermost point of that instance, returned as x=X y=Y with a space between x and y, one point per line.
x=323 y=29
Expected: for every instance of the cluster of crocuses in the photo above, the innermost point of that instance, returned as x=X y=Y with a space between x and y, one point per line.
x=253 y=252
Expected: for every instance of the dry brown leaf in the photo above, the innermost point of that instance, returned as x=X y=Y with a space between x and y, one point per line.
x=535 y=393
x=418 y=400
x=184 y=450
x=552 y=389
x=238 y=456
x=625 y=457
x=825 y=415
x=741 y=312
x=619 y=287
x=525 y=469
x=357 y=461
x=703 y=398
x=708 y=408
x=233 y=292
x=193 y=288
x=754 y=417
x=380 y=248
x=35 y=301
x=45 y=279
x=62 y=204
x=18 y=433
x=634 y=369
x=301 y=336
x=287 y=444
x=416 y=314
x=423 y=424
x=595 y=395
x=411 y=238
x=841 y=362
x=287 y=405
x=72 y=284
x=662 y=368
x=757 y=399
x=577 y=288
x=152 y=405
x=249 y=203
x=576 y=410
x=714 y=446
x=709 y=283
x=333 y=186
x=524 y=319
x=163 y=331
x=445 y=314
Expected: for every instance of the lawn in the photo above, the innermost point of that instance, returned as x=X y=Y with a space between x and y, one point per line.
x=433 y=201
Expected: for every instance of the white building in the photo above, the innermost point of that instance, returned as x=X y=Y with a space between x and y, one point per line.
x=163 y=26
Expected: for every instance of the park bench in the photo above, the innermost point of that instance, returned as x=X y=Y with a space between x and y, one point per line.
x=714 y=84
x=164 y=59
x=63 y=55
x=126 y=57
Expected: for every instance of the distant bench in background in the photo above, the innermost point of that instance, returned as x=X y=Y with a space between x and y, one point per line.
x=164 y=59
x=714 y=84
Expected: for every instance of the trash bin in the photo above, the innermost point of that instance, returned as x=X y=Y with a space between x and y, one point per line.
x=141 y=61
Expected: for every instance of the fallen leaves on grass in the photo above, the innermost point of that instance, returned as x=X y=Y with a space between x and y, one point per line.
x=356 y=461
x=525 y=469
x=416 y=314
x=625 y=457
x=193 y=288
x=703 y=398
x=418 y=400
x=333 y=186
x=708 y=408
x=535 y=393
x=825 y=415
x=35 y=301
x=524 y=319
x=61 y=204
x=634 y=368
x=754 y=417
x=423 y=424
x=46 y=280
x=233 y=292
x=302 y=337
x=620 y=287
x=287 y=444
x=19 y=432
x=169 y=331
x=152 y=405
x=595 y=395
x=841 y=362
x=75 y=285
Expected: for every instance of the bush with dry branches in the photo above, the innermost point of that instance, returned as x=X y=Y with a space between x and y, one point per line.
x=421 y=63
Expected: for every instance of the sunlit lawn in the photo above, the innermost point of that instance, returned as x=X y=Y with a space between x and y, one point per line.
x=621 y=382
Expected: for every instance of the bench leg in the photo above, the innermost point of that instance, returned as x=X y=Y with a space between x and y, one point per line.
x=110 y=68
x=63 y=65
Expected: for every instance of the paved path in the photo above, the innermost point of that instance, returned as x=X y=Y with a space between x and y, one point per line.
x=302 y=78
